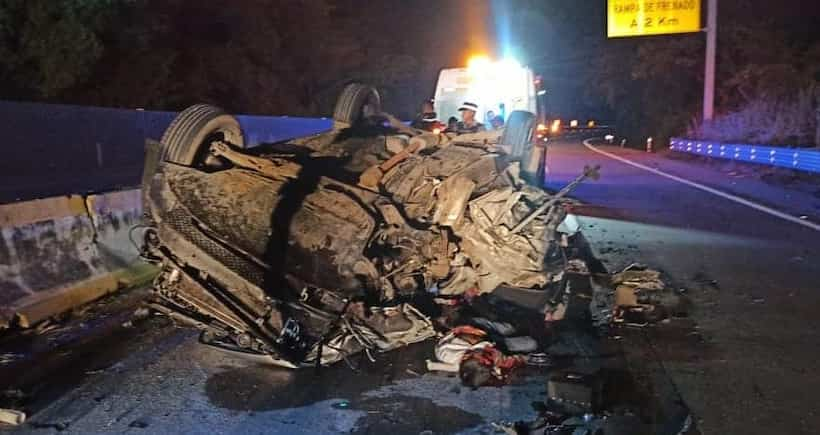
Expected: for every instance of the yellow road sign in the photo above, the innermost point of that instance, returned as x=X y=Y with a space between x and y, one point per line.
x=652 y=17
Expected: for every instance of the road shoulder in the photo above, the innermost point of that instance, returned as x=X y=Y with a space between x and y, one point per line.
x=795 y=201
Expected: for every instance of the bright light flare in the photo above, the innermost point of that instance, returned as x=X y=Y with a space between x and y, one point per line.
x=478 y=63
x=510 y=63
x=436 y=131
x=541 y=127
x=573 y=123
x=556 y=125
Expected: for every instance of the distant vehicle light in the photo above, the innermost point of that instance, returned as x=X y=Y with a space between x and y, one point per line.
x=542 y=92
x=541 y=127
x=573 y=123
x=556 y=125
x=609 y=138
x=591 y=124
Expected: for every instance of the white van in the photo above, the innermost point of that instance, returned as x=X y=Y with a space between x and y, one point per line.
x=498 y=87
x=501 y=88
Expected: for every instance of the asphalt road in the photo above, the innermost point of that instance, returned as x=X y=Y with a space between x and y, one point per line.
x=102 y=373
x=753 y=278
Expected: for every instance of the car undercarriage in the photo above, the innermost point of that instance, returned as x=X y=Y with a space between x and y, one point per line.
x=314 y=249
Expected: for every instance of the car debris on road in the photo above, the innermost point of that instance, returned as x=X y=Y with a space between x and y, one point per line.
x=12 y=417
x=313 y=250
x=374 y=236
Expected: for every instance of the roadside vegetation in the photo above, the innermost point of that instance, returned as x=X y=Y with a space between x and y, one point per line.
x=255 y=56
x=767 y=81
x=790 y=120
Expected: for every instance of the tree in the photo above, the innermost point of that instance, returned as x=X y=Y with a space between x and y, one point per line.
x=48 y=46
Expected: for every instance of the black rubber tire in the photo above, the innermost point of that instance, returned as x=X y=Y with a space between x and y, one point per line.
x=357 y=101
x=185 y=139
x=518 y=133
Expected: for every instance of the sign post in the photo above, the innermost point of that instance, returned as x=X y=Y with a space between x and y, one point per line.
x=711 y=54
x=627 y=18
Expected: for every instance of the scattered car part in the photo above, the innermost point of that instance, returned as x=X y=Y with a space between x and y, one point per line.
x=277 y=169
x=588 y=173
x=575 y=388
x=12 y=417
x=371 y=177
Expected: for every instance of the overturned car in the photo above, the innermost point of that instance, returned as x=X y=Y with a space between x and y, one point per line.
x=314 y=249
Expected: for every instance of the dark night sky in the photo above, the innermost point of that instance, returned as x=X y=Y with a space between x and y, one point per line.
x=277 y=57
x=563 y=38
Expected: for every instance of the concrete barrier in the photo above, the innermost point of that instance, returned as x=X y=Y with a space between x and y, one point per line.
x=63 y=251
x=58 y=253
x=63 y=149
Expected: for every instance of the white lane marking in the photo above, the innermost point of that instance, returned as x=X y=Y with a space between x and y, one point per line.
x=729 y=196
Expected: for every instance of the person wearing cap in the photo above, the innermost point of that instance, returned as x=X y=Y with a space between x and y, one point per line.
x=428 y=122
x=468 y=123
x=427 y=118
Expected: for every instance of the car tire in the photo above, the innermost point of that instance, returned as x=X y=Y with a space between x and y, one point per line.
x=356 y=102
x=185 y=140
x=518 y=133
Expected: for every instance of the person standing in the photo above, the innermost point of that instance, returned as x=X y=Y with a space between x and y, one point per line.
x=468 y=123
x=452 y=124
x=426 y=117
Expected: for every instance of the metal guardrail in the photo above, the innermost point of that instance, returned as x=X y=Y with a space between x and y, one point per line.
x=54 y=149
x=793 y=158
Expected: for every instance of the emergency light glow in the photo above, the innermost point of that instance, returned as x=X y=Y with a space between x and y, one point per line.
x=497 y=86
x=477 y=63
x=510 y=63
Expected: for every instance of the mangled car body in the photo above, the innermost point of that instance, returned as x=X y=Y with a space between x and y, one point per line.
x=311 y=250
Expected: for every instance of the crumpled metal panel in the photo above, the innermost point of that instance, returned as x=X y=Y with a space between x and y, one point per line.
x=498 y=256
x=415 y=182
x=313 y=229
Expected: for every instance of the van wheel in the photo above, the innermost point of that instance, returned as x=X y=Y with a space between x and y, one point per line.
x=356 y=102
x=518 y=133
x=186 y=140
